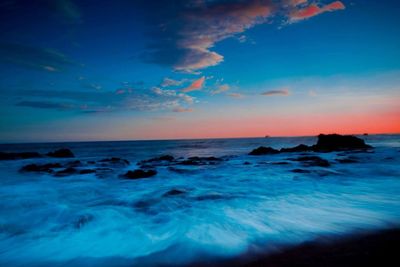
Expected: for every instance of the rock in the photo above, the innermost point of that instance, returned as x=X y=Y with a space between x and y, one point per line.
x=75 y=163
x=201 y=161
x=86 y=171
x=114 y=160
x=174 y=192
x=21 y=155
x=299 y=148
x=314 y=161
x=66 y=172
x=262 y=150
x=347 y=160
x=41 y=168
x=61 y=153
x=336 y=142
x=246 y=163
x=300 y=171
x=137 y=174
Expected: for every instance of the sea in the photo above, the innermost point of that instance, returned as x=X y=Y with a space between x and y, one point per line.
x=241 y=205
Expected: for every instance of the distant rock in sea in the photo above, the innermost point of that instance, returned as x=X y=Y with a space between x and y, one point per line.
x=61 y=153
x=21 y=155
x=262 y=150
x=336 y=142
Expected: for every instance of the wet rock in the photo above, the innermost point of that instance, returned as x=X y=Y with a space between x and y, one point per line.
x=137 y=174
x=41 y=168
x=160 y=158
x=280 y=163
x=336 y=142
x=61 y=153
x=75 y=163
x=66 y=172
x=313 y=161
x=300 y=171
x=86 y=171
x=246 y=163
x=174 y=192
x=22 y=155
x=201 y=161
x=114 y=161
x=299 y=148
x=262 y=150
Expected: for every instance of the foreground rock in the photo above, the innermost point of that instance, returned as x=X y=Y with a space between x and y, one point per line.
x=138 y=174
x=22 y=155
x=336 y=142
x=262 y=150
x=61 y=153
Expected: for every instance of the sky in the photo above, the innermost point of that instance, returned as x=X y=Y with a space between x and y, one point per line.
x=124 y=70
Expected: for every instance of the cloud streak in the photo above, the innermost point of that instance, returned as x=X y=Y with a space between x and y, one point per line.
x=314 y=10
x=195 y=86
x=282 y=92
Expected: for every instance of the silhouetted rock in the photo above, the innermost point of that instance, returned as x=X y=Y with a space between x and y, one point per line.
x=262 y=150
x=313 y=161
x=347 y=160
x=75 y=163
x=336 y=142
x=174 y=192
x=115 y=160
x=41 y=168
x=300 y=171
x=21 y=155
x=137 y=174
x=246 y=163
x=61 y=153
x=299 y=148
x=201 y=161
x=66 y=172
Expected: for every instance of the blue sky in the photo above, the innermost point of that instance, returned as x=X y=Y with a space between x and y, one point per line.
x=106 y=70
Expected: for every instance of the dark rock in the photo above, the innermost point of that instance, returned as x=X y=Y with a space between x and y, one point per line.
x=246 y=163
x=116 y=161
x=61 y=153
x=347 y=160
x=66 y=172
x=313 y=161
x=174 y=192
x=75 y=163
x=300 y=171
x=336 y=142
x=86 y=171
x=41 y=168
x=201 y=161
x=22 y=155
x=262 y=150
x=280 y=163
x=299 y=148
x=137 y=174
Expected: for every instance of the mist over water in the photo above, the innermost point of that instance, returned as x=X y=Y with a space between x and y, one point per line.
x=225 y=210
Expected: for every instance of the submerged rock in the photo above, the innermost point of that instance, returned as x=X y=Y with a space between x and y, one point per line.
x=174 y=192
x=41 y=168
x=61 y=153
x=262 y=150
x=86 y=171
x=137 y=174
x=300 y=171
x=336 y=142
x=313 y=161
x=21 y=155
x=201 y=161
x=115 y=160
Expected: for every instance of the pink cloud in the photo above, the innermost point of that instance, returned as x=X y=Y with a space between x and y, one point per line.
x=314 y=10
x=196 y=85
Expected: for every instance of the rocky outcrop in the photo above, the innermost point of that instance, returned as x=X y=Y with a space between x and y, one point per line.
x=262 y=150
x=336 y=142
x=299 y=148
x=61 y=153
x=41 y=168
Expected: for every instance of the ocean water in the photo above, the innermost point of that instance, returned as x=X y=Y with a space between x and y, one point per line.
x=226 y=210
